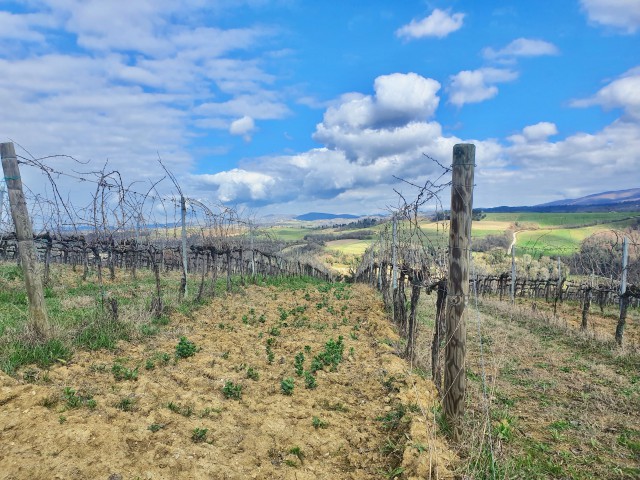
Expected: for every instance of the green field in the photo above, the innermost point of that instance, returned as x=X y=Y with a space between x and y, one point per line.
x=527 y=219
x=549 y=234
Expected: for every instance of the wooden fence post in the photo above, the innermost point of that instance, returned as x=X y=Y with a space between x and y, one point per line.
x=185 y=258
x=1 y=200
x=513 y=274
x=624 y=300
x=458 y=284
x=24 y=236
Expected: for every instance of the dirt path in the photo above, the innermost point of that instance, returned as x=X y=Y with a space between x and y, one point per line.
x=368 y=417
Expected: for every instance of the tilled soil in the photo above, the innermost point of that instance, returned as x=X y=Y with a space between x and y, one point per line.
x=367 y=418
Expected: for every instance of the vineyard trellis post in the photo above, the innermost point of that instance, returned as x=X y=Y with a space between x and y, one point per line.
x=24 y=236
x=624 y=299
x=1 y=199
x=185 y=259
x=394 y=254
x=458 y=284
x=513 y=273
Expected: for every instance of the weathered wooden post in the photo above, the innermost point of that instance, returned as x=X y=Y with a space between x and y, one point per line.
x=394 y=254
x=513 y=273
x=1 y=200
x=458 y=284
x=24 y=236
x=185 y=259
x=624 y=300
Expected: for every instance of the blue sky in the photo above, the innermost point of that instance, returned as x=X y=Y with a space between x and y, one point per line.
x=287 y=106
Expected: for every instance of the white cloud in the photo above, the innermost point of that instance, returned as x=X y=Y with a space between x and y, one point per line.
x=535 y=133
x=354 y=170
x=439 y=24
x=243 y=126
x=24 y=27
x=366 y=126
x=132 y=80
x=238 y=185
x=620 y=15
x=473 y=86
x=624 y=92
x=522 y=47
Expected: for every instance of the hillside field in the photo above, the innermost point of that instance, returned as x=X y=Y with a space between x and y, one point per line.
x=550 y=234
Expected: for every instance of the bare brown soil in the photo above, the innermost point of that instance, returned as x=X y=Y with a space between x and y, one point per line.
x=265 y=434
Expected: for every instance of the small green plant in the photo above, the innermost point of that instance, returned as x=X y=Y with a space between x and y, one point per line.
x=307 y=349
x=270 y=355
x=252 y=374
x=297 y=451
x=318 y=423
x=225 y=355
x=274 y=332
x=185 y=411
x=199 y=435
x=503 y=430
x=74 y=399
x=299 y=364
x=155 y=427
x=330 y=356
x=232 y=390
x=149 y=364
x=120 y=372
x=393 y=419
x=310 y=380
x=62 y=419
x=125 y=404
x=185 y=348
x=393 y=472
x=286 y=385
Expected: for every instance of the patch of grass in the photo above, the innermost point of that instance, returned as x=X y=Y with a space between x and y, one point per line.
x=298 y=364
x=330 y=356
x=24 y=352
x=103 y=333
x=199 y=435
x=185 y=348
x=317 y=423
x=252 y=374
x=126 y=404
x=309 y=380
x=184 y=410
x=287 y=385
x=156 y=427
x=74 y=399
x=232 y=390
x=120 y=372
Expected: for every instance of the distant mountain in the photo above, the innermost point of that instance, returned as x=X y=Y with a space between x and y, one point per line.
x=618 y=201
x=605 y=198
x=312 y=216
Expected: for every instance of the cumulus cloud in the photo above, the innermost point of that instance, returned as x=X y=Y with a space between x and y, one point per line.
x=365 y=126
x=535 y=133
x=473 y=86
x=521 y=47
x=355 y=168
x=619 y=15
x=137 y=78
x=439 y=24
x=243 y=126
x=238 y=185
x=623 y=92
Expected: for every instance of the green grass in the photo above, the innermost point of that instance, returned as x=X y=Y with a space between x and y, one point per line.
x=560 y=219
x=74 y=308
x=290 y=233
